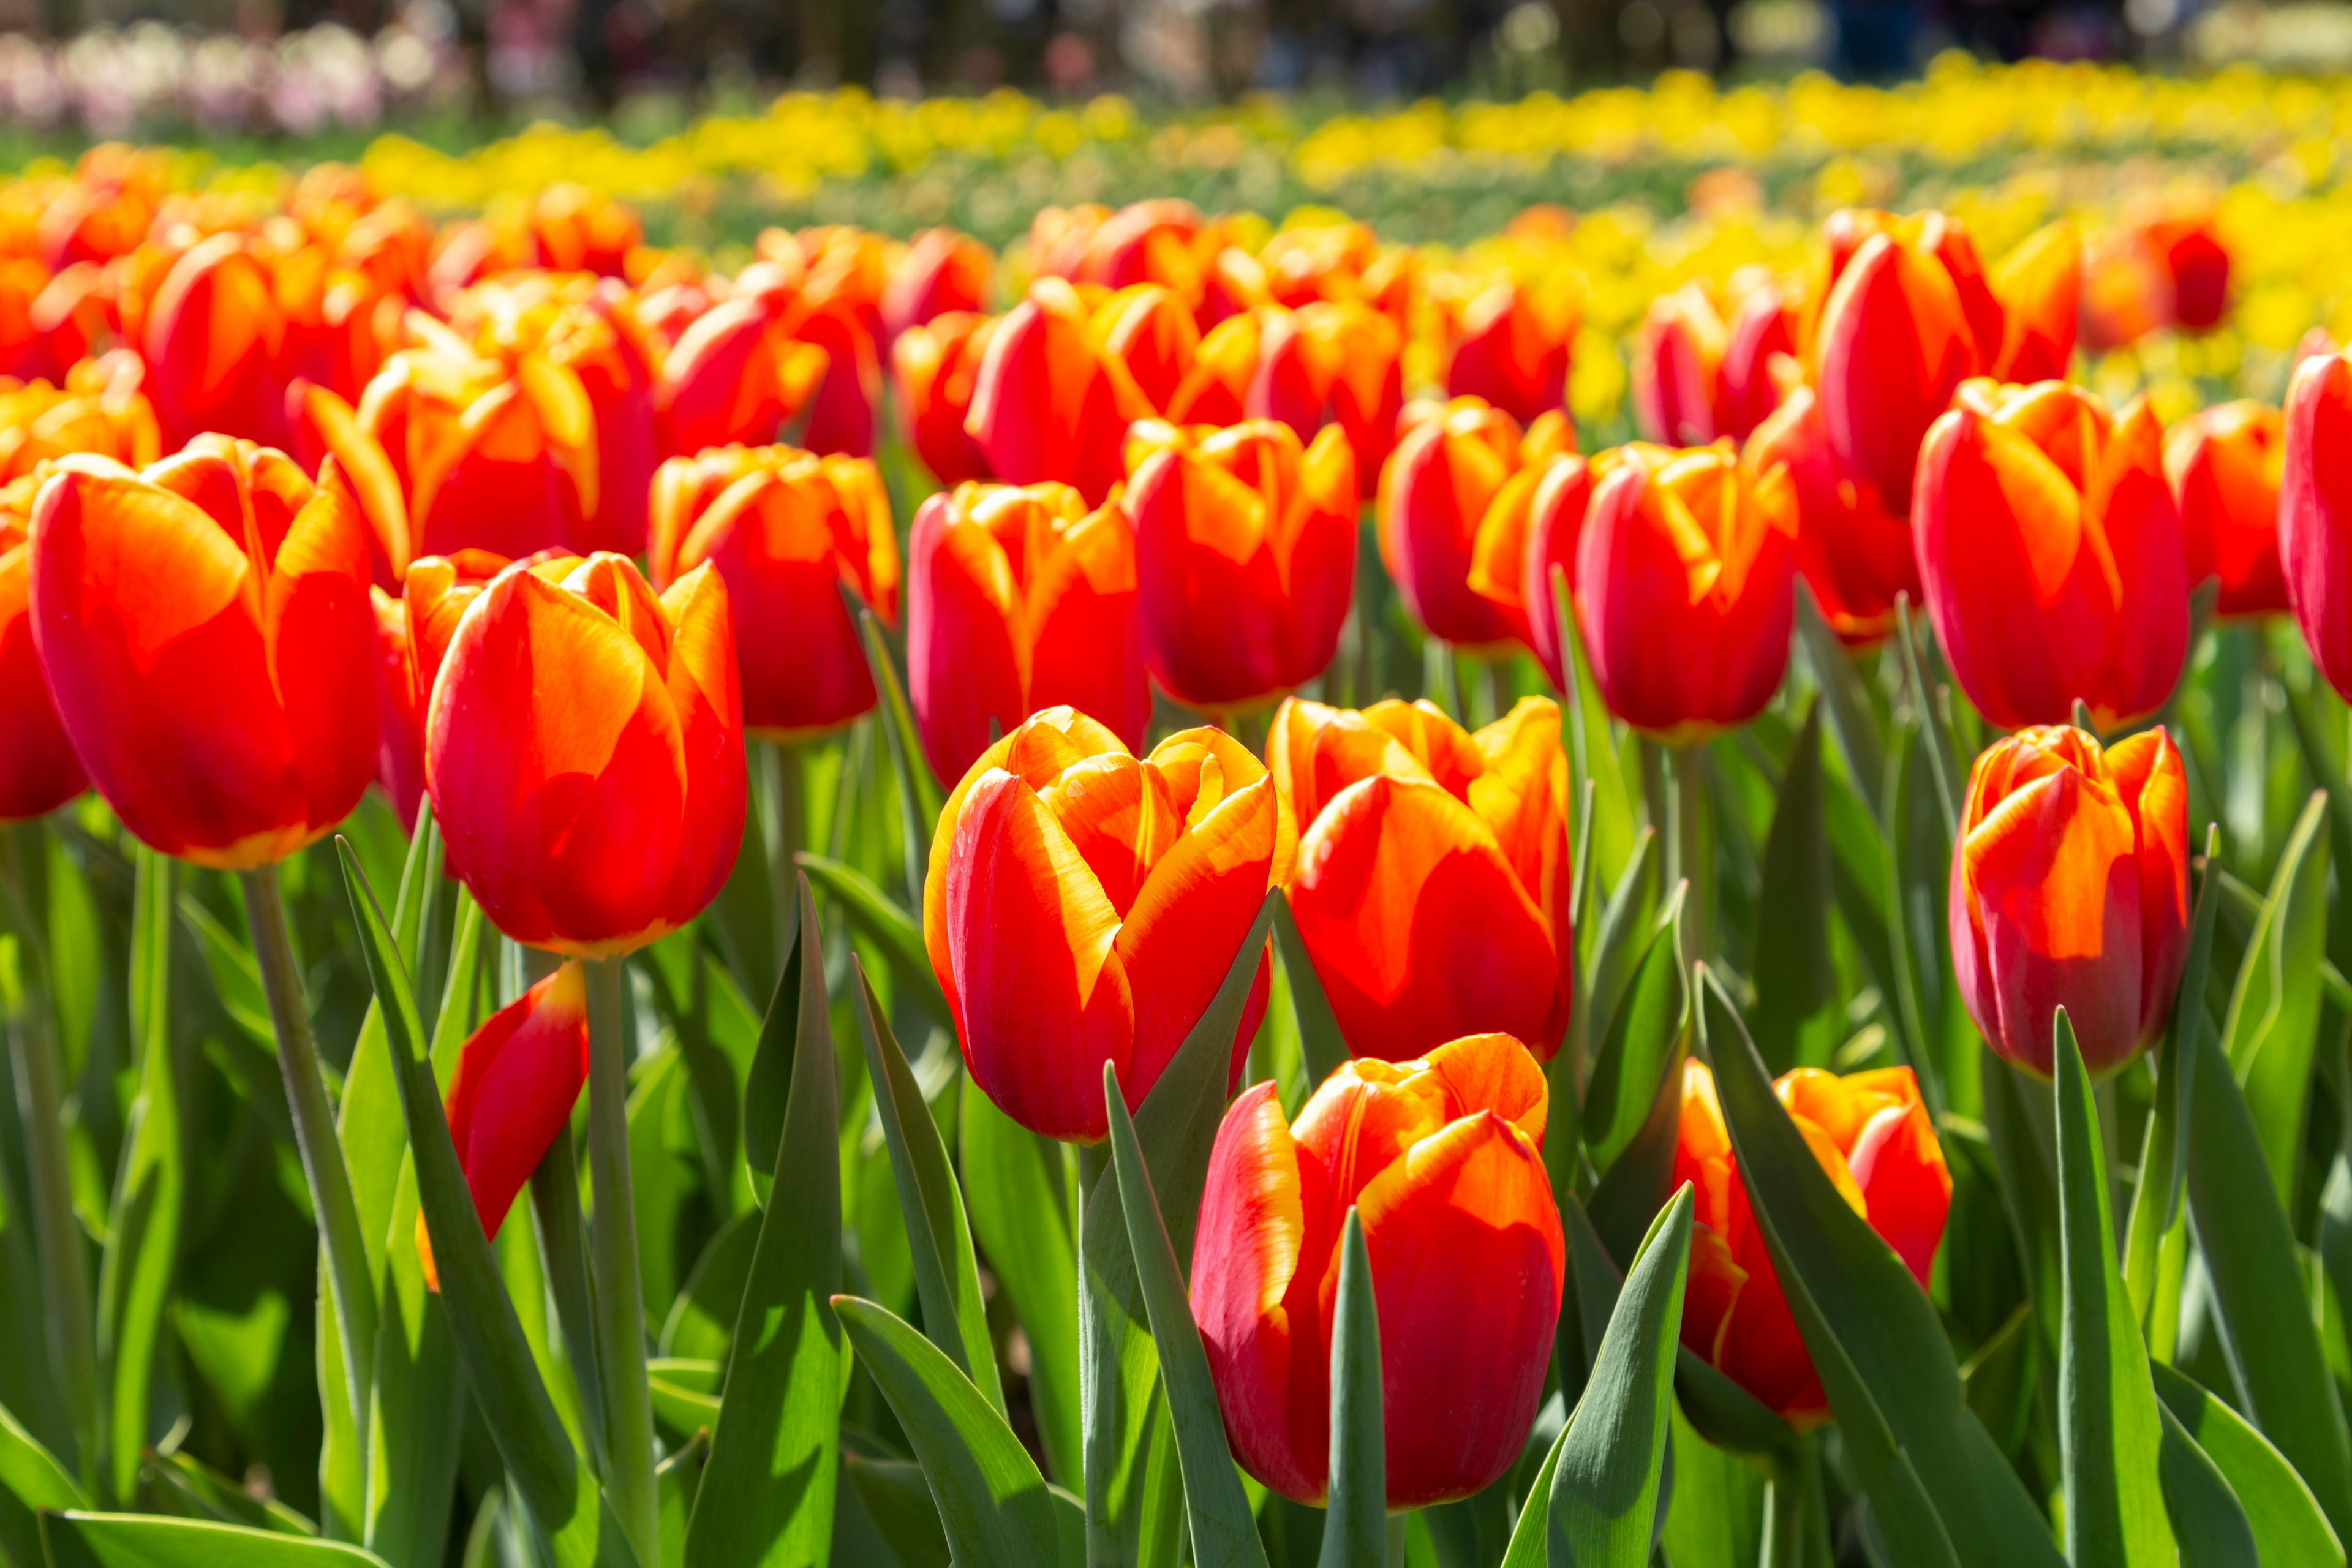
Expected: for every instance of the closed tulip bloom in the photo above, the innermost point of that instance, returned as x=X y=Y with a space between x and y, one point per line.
x=2226 y=464
x=38 y=770
x=1441 y=1160
x=1895 y=343
x=1871 y=1133
x=739 y=371
x=1020 y=598
x=1556 y=509
x=1686 y=589
x=2039 y=286
x=1434 y=497
x=584 y=753
x=1678 y=392
x=1511 y=346
x=1148 y=329
x=2196 y=266
x=1340 y=364
x=213 y=339
x=100 y=408
x=413 y=632
x=941 y=271
x=1432 y=883
x=2070 y=889
x=1084 y=905
x=788 y=530
x=1245 y=552
x=205 y=628
x=2315 y=510
x=1498 y=551
x=936 y=368
x=1051 y=403
x=1225 y=365
x=2051 y=554
x=1762 y=329
x=518 y=1077
x=1853 y=554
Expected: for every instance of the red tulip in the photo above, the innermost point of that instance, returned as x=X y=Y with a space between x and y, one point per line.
x=1051 y=403
x=941 y=271
x=38 y=770
x=2051 y=554
x=98 y=408
x=1442 y=1160
x=1083 y=906
x=1434 y=495
x=1556 y=503
x=204 y=629
x=1148 y=329
x=584 y=753
x=1340 y=364
x=1852 y=552
x=1762 y=330
x=2315 y=510
x=2225 y=465
x=213 y=340
x=2070 y=889
x=788 y=530
x=1678 y=394
x=2039 y=286
x=2196 y=267
x=412 y=634
x=1511 y=345
x=936 y=368
x=742 y=370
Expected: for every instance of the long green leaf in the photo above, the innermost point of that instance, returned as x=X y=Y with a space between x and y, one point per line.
x=141 y=1541
x=2203 y=1513
x=2163 y=1163
x=2290 y=1530
x=920 y=799
x=31 y=1479
x=766 y=1496
x=1018 y=1195
x=1793 y=911
x=888 y=926
x=2108 y=1433
x=992 y=1501
x=1355 y=1527
x=1319 y=1040
x=1635 y=1100
x=2272 y=1029
x=1853 y=723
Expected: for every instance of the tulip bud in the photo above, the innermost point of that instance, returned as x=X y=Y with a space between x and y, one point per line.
x=2070 y=888
x=2051 y=554
x=1019 y=598
x=1436 y=494
x=1245 y=554
x=518 y=1077
x=787 y=530
x=583 y=748
x=1871 y=1135
x=1083 y=906
x=1336 y=362
x=1051 y=403
x=2225 y=465
x=1432 y=883
x=2316 y=511
x=1685 y=588
x=204 y=629
x=38 y=770
x=936 y=367
x=1678 y=369
x=942 y=272
x=1853 y=554
x=1510 y=347
x=1442 y=1160
x=214 y=334
x=1763 y=331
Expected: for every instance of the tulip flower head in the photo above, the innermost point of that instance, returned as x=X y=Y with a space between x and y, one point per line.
x=935 y=367
x=413 y=632
x=518 y=1077
x=1510 y=346
x=1438 y=494
x=2315 y=510
x=2070 y=888
x=941 y=271
x=1432 y=883
x=38 y=770
x=1558 y=492
x=1020 y=598
x=1853 y=554
x=1084 y=905
x=1245 y=553
x=1330 y=361
x=788 y=530
x=583 y=748
x=204 y=629
x=1440 y=1158
x=1051 y=402
x=100 y=408
x=2051 y=554
x=1871 y=1135
x=2226 y=465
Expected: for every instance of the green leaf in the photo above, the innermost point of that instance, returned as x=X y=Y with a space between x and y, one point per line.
x=194 y=1489
x=1725 y=1414
x=898 y=1499
x=1319 y=1040
x=1611 y=955
x=2205 y=1514
x=2260 y=1297
x=947 y=1274
x=775 y=1446
x=1224 y=1535
x=1590 y=755
x=1634 y=1106
x=31 y=1479
x=2289 y=1529
x=1943 y=1493
x=2163 y=1164
x=991 y=1501
x=1018 y=1195
x=920 y=799
x=1793 y=911
x=2108 y=1434
x=2273 y=1027
x=143 y=1540
x=236 y=978
x=1716 y=1516
x=1605 y=1496
x=899 y=934
x=1355 y=1526
x=1852 y=721
x=1527 y=1545
x=701 y=1322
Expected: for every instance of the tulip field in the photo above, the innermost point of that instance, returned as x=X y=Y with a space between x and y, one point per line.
x=1044 y=876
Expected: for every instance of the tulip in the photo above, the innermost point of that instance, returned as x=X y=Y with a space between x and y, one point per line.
x=739 y=371
x=38 y=770
x=2051 y=554
x=1686 y=589
x=1148 y=329
x=941 y=271
x=584 y=748
x=1339 y=261
x=2225 y=465
x=1245 y=553
x=1083 y=906
x=2070 y=889
x=1217 y=386
x=100 y=408
x=214 y=335
x=2315 y=510
x=1432 y=881
x=1499 y=570
x=1762 y=329
x=204 y=629
x=1510 y=346
x=2195 y=264
x=1441 y=1160
x=412 y=633
x=1853 y=554
x=518 y=1077
x=1050 y=403
x=1873 y=1137
x=935 y=367
x=1697 y=377
x=1337 y=362
x=1019 y=598
x=1556 y=499
x=788 y=530
x=1435 y=495
x=2039 y=286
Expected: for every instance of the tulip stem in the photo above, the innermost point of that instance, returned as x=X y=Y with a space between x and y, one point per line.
x=316 y=1139
x=620 y=1295
x=1795 y=1476
x=787 y=824
x=1690 y=854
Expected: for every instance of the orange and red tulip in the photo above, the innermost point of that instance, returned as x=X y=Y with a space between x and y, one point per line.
x=584 y=753
x=1441 y=486
x=98 y=408
x=788 y=530
x=413 y=632
x=1245 y=553
x=1556 y=499
x=1442 y=1160
x=1511 y=345
x=2070 y=889
x=215 y=335
x=1678 y=392
x=1216 y=387
x=1432 y=881
x=38 y=770
x=2039 y=286
x=1020 y=598
x=1762 y=329
x=2226 y=464
x=2193 y=262
x=936 y=368
x=1873 y=1137
x=739 y=371
x=1338 y=363
x=1853 y=554
x=1084 y=905
x=2051 y=554
x=941 y=271
x=518 y=1077
x=2315 y=510
x=205 y=628
x=1051 y=403
x=1685 y=588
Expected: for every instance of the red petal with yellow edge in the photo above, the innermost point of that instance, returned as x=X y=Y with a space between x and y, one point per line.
x=1523 y=797
x=1905 y=1188
x=1087 y=651
x=964 y=658
x=1894 y=346
x=322 y=651
x=703 y=691
x=2148 y=776
x=328 y=425
x=1702 y=1150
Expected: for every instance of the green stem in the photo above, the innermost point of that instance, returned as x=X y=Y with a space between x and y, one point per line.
x=316 y=1139
x=619 y=1293
x=1690 y=854
x=563 y=1253
x=1440 y=681
x=787 y=828
x=1788 y=1499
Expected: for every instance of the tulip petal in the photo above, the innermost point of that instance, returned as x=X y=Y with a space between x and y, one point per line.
x=1905 y=1188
